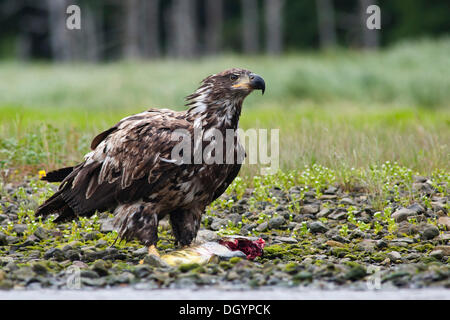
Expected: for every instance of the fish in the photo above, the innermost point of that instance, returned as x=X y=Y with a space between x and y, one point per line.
x=223 y=249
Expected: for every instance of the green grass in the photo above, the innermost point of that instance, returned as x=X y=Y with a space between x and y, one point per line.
x=340 y=109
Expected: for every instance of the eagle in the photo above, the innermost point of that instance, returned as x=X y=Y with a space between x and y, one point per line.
x=130 y=170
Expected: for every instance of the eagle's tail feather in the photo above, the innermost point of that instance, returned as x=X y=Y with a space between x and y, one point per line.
x=56 y=204
x=57 y=175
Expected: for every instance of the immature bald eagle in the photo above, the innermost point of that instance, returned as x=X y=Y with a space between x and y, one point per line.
x=130 y=170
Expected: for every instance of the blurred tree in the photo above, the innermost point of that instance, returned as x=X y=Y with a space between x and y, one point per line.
x=326 y=24
x=182 y=29
x=74 y=44
x=214 y=25
x=131 y=35
x=273 y=19
x=149 y=28
x=113 y=29
x=250 y=26
x=60 y=38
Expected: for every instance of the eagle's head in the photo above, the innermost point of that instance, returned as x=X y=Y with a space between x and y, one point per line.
x=224 y=92
x=235 y=82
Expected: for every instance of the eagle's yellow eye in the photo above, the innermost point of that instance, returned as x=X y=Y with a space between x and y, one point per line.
x=233 y=77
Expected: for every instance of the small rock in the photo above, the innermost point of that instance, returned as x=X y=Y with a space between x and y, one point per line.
x=303 y=276
x=55 y=253
x=232 y=275
x=106 y=225
x=445 y=221
x=323 y=213
x=331 y=190
x=155 y=261
x=381 y=244
x=333 y=243
x=347 y=201
x=357 y=234
x=402 y=240
x=429 y=232
x=90 y=274
x=262 y=227
x=80 y=264
x=12 y=239
x=338 y=214
x=6 y=284
x=94 y=235
x=419 y=179
x=276 y=222
x=40 y=268
x=101 y=243
x=438 y=254
x=310 y=209
x=3 y=240
x=248 y=227
x=402 y=214
x=41 y=233
x=140 y=252
x=416 y=208
x=317 y=227
x=11 y=266
x=206 y=236
x=394 y=256
x=285 y=239
x=217 y=223
x=20 y=229
x=405 y=227
x=99 y=266
x=340 y=238
x=142 y=270
x=328 y=197
x=366 y=245
x=235 y=218
x=355 y=273
x=72 y=254
x=444 y=248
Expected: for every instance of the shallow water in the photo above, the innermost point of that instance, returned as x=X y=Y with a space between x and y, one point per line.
x=214 y=294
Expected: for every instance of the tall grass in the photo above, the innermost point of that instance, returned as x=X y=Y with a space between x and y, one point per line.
x=339 y=109
x=407 y=74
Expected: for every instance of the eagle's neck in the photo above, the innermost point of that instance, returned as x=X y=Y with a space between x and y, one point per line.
x=210 y=109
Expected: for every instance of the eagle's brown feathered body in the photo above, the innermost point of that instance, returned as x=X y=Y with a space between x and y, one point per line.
x=130 y=170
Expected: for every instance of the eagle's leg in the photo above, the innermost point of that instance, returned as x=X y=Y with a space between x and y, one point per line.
x=139 y=220
x=185 y=225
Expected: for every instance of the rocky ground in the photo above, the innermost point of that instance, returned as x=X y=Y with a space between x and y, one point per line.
x=328 y=237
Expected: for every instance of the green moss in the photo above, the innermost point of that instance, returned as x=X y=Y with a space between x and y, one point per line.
x=235 y=260
x=274 y=251
x=225 y=265
x=291 y=267
x=339 y=252
x=302 y=276
x=424 y=247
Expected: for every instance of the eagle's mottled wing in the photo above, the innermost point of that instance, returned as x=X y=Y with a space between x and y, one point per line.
x=128 y=160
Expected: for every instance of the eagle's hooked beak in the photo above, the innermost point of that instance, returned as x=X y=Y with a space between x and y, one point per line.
x=251 y=81
x=257 y=83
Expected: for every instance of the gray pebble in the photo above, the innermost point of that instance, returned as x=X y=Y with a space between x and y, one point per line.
x=317 y=227
x=276 y=222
